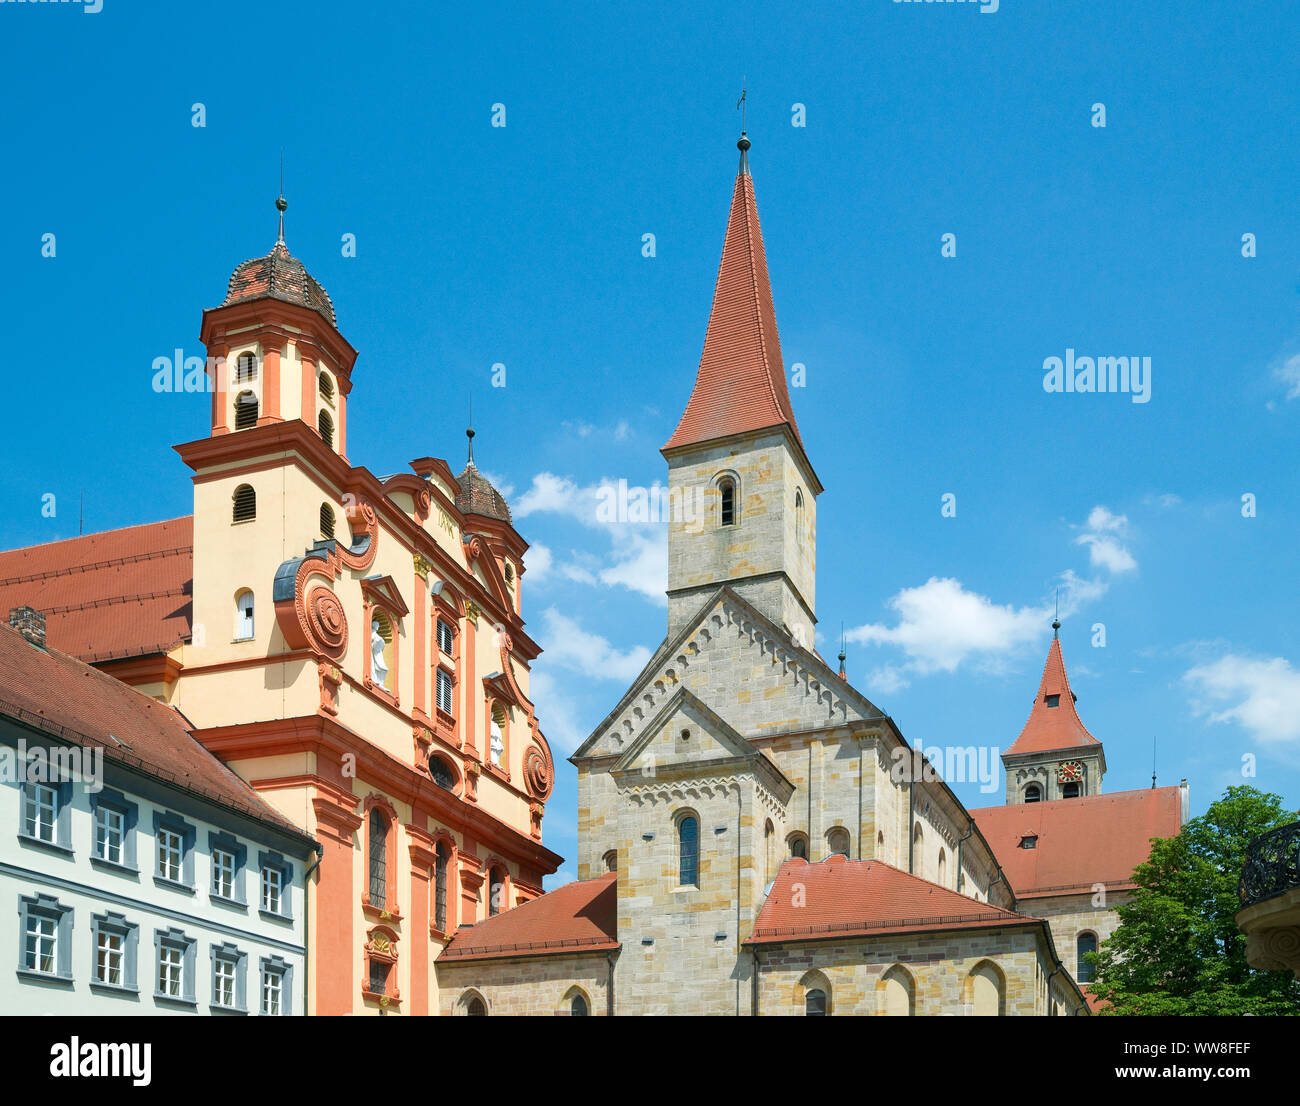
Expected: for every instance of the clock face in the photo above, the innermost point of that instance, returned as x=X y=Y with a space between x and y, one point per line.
x=1070 y=772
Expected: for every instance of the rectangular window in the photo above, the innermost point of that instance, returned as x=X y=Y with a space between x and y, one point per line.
x=109 y=953
x=110 y=832
x=379 y=977
x=171 y=855
x=223 y=874
x=444 y=637
x=41 y=947
x=171 y=971
x=41 y=808
x=272 y=885
x=223 y=982
x=445 y=686
x=272 y=991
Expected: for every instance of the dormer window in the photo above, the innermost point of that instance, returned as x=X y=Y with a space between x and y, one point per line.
x=1053 y=700
x=1030 y=841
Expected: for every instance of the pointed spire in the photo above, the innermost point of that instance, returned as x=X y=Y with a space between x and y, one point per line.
x=740 y=385
x=843 y=655
x=1054 y=722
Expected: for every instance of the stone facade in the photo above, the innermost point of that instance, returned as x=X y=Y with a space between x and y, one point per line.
x=536 y=986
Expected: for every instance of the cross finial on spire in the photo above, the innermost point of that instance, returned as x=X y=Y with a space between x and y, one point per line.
x=743 y=144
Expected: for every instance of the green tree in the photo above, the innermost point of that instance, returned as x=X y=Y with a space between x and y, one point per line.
x=1177 y=949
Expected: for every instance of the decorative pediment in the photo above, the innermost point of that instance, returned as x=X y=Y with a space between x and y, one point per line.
x=384 y=593
x=483 y=564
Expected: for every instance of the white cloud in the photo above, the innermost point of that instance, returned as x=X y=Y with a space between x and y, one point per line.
x=885 y=680
x=1289 y=374
x=637 y=558
x=941 y=625
x=1103 y=534
x=570 y=646
x=538 y=561
x=1261 y=695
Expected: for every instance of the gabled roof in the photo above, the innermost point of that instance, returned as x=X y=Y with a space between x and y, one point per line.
x=840 y=897
x=120 y=593
x=740 y=385
x=49 y=690
x=578 y=917
x=1053 y=727
x=670 y=646
x=1079 y=842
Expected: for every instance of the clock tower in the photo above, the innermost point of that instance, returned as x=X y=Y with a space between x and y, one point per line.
x=1055 y=757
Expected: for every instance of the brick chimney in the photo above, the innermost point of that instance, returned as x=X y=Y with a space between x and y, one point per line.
x=30 y=623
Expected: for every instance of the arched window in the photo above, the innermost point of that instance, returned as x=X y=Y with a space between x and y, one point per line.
x=378 y=858
x=243 y=615
x=245 y=410
x=441 y=773
x=245 y=504
x=441 y=855
x=688 y=851
x=798 y=516
x=475 y=1007
x=943 y=868
x=798 y=845
x=326 y=386
x=769 y=852
x=1069 y=791
x=510 y=575
x=814 y=1003
x=610 y=860
x=326 y=521
x=496 y=891
x=896 y=993
x=1033 y=793
x=381 y=650
x=578 y=1006
x=246 y=368
x=727 y=490
x=837 y=841
x=1086 y=943
x=986 y=990
x=325 y=424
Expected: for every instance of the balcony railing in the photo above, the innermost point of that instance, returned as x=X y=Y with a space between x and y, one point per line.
x=1272 y=865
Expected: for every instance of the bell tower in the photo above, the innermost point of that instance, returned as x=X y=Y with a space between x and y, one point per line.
x=1055 y=757
x=275 y=350
x=742 y=492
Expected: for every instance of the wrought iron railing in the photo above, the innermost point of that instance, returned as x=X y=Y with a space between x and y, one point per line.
x=1272 y=865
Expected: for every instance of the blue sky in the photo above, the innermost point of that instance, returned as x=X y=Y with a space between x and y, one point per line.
x=522 y=245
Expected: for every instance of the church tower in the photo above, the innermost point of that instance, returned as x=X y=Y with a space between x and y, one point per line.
x=1055 y=757
x=741 y=488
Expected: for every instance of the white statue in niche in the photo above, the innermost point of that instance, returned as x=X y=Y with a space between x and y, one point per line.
x=498 y=745
x=378 y=668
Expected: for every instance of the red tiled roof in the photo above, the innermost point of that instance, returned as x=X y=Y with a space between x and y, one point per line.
x=279 y=276
x=578 y=917
x=1057 y=727
x=1094 y=839
x=52 y=691
x=116 y=594
x=741 y=384
x=477 y=496
x=842 y=897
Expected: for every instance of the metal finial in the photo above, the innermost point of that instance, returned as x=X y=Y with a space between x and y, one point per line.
x=469 y=430
x=1056 y=621
x=743 y=144
x=281 y=203
x=842 y=653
